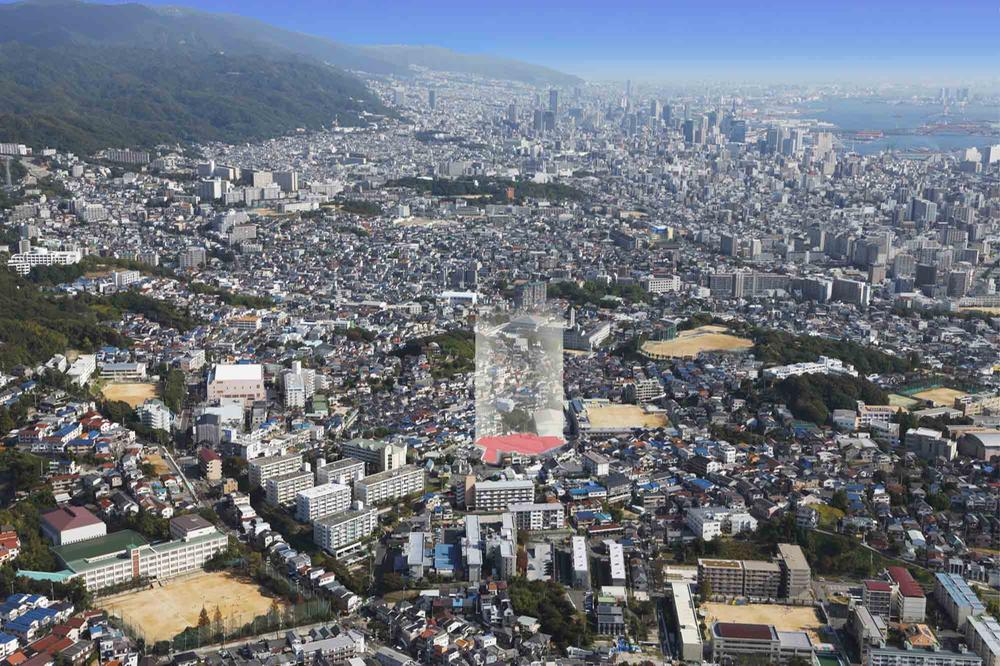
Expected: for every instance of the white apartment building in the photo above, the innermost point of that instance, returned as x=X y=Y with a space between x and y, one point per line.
x=957 y=598
x=892 y=656
x=319 y=501
x=281 y=490
x=500 y=495
x=909 y=604
x=344 y=471
x=930 y=444
x=389 y=485
x=982 y=635
x=824 y=366
x=534 y=517
x=581 y=563
x=126 y=278
x=875 y=415
x=796 y=576
x=23 y=262
x=262 y=469
x=596 y=463
x=83 y=369
x=688 y=630
x=655 y=284
x=616 y=561
x=154 y=414
x=295 y=392
x=336 y=533
x=644 y=390
x=712 y=521
x=378 y=456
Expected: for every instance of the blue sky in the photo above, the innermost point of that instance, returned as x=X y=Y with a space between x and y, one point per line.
x=716 y=39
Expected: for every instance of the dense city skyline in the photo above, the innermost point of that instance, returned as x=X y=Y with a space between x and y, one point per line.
x=315 y=352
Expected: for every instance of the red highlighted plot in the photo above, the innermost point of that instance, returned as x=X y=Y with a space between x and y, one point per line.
x=527 y=444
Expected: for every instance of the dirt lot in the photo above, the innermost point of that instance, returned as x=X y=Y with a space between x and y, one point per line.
x=784 y=618
x=691 y=343
x=421 y=222
x=942 y=397
x=609 y=416
x=157 y=461
x=992 y=311
x=163 y=612
x=133 y=394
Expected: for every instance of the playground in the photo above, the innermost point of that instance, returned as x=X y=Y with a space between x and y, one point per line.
x=132 y=394
x=693 y=342
x=941 y=397
x=164 y=610
x=784 y=618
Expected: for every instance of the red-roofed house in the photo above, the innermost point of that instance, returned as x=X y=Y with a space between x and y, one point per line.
x=10 y=546
x=34 y=434
x=16 y=658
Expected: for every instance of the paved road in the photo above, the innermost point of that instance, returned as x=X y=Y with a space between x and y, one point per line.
x=661 y=617
x=215 y=647
x=180 y=472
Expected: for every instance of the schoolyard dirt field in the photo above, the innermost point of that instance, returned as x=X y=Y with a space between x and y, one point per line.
x=784 y=618
x=633 y=416
x=163 y=612
x=987 y=310
x=691 y=343
x=133 y=394
x=942 y=397
x=421 y=222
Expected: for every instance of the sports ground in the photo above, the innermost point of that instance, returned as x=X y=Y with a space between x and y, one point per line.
x=941 y=397
x=784 y=618
x=162 y=612
x=133 y=394
x=695 y=341
x=985 y=310
x=624 y=416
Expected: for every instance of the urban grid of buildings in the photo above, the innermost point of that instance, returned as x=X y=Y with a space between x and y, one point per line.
x=767 y=382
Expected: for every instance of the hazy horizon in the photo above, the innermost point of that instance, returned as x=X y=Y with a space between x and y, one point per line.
x=894 y=42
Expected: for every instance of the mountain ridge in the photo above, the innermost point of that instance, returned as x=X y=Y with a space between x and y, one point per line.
x=135 y=24
x=87 y=99
x=84 y=76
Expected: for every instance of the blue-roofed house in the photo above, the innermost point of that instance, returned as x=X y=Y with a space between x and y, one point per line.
x=446 y=559
x=8 y=644
x=588 y=491
x=702 y=485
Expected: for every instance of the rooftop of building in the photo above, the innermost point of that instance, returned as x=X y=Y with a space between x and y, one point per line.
x=238 y=372
x=76 y=555
x=70 y=517
x=738 y=630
